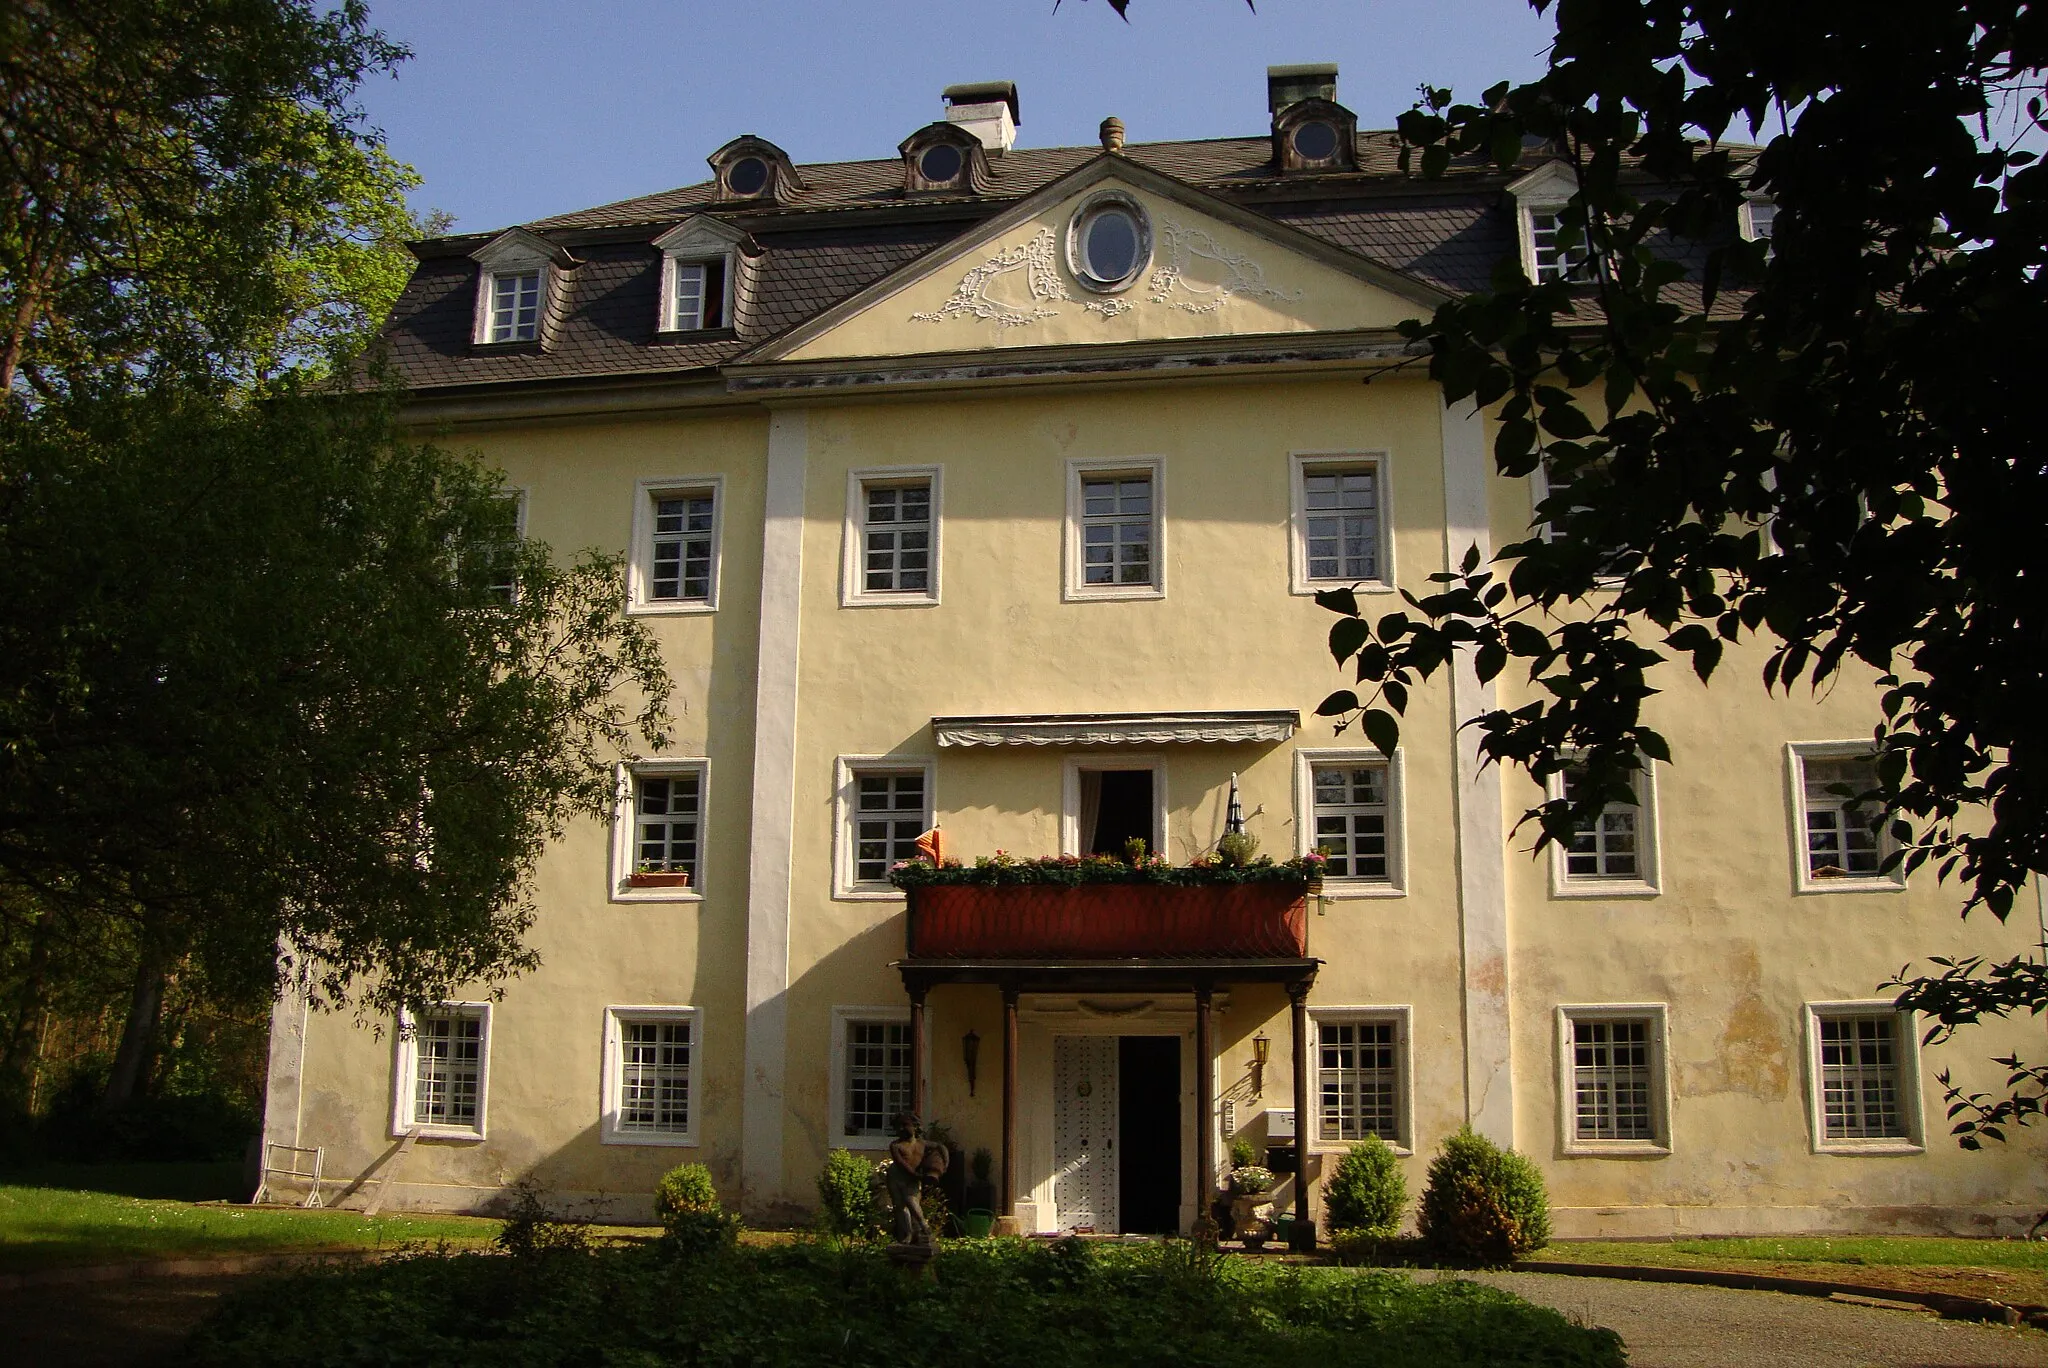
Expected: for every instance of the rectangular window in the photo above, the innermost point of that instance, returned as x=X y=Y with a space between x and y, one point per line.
x=1859 y=1078
x=1612 y=1079
x=1759 y=218
x=697 y=295
x=667 y=808
x=654 y=1077
x=1553 y=260
x=1610 y=845
x=890 y=812
x=443 y=1054
x=1116 y=530
x=1341 y=522
x=1359 y=1079
x=515 y=306
x=1351 y=819
x=1841 y=838
x=682 y=548
x=896 y=538
x=877 y=1083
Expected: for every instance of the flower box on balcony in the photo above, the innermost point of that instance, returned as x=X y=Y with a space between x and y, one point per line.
x=1262 y=919
x=658 y=878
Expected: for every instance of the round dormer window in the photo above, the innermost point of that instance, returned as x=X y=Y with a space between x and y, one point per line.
x=940 y=163
x=747 y=176
x=1315 y=141
x=1109 y=243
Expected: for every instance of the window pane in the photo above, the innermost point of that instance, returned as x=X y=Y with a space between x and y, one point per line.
x=1116 y=530
x=447 y=1068
x=1554 y=261
x=689 y=300
x=1611 y=1073
x=668 y=808
x=889 y=815
x=1605 y=847
x=683 y=525
x=877 y=1075
x=1860 y=1079
x=1841 y=841
x=654 y=1077
x=515 y=306
x=1350 y=819
x=1359 y=1080
x=1342 y=528
x=896 y=547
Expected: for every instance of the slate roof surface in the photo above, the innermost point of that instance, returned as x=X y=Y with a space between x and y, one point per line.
x=840 y=235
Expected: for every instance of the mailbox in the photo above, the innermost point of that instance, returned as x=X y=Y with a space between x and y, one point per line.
x=1280 y=1139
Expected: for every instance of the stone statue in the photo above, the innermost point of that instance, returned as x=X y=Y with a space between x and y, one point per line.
x=913 y=1161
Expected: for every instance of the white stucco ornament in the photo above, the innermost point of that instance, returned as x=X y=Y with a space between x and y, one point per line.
x=1035 y=258
x=1179 y=247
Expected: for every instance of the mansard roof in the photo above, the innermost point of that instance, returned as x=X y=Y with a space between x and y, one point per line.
x=852 y=224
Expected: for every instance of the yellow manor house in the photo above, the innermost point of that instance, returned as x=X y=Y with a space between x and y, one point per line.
x=989 y=487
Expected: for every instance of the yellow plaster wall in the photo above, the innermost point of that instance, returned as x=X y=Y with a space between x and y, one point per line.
x=1299 y=294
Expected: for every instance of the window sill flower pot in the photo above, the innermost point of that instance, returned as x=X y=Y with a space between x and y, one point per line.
x=659 y=878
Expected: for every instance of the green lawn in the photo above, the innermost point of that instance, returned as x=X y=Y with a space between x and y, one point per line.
x=1880 y=1250
x=45 y=1227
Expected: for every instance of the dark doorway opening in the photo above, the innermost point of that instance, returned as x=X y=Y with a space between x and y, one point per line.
x=1148 y=1134
x=1122 y=800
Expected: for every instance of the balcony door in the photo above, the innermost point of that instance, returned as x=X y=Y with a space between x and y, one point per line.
x=1110 y=800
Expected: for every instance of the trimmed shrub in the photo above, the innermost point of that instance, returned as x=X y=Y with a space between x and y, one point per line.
x=533 y=1230
x=1243 y=1153
x=687 y=1206
x=1483 y=1205
x=846 y=1197
x=1367 y=1192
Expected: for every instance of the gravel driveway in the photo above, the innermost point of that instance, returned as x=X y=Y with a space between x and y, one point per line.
x=1674 y=1326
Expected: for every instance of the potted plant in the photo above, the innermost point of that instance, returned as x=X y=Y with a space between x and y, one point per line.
x=981 y=1188
x=1251 y=1206
x=659 y=874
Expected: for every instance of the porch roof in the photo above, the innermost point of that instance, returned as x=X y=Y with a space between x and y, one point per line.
x=1117 y=729
x=1107 y=976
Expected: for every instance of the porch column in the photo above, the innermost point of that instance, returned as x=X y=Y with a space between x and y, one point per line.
x=1008 y=1195
x=917 y=993
x=1304 y=1236
x=1205 y=1114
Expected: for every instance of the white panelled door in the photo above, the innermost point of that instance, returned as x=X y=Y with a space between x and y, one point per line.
x=1084 y=1122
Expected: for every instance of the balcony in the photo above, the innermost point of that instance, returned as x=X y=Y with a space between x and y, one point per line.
x=1038 y=923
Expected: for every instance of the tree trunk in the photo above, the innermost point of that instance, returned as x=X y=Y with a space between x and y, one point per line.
x=138 y=1036
x=21 y=1046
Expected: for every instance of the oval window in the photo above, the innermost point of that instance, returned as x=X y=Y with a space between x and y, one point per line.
x=747 y=175
x=1111 y=245
x=1315 y=141
x=1109 y=242
x=939 y=164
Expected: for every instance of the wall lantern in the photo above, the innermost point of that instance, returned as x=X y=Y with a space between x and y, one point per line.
x=970 y=1054
x=1262 y=1050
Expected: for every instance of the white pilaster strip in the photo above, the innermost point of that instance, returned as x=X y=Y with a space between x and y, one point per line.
x=774 y=814
x=1482 y=845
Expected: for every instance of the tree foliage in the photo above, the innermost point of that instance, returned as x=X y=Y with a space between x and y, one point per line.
x=187 y=185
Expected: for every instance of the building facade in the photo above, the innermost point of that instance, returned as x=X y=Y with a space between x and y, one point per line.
x=988 y=488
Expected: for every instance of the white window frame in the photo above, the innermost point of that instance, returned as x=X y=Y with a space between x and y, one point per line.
x=640 y=565
x=1568 y=1141
x=1403 y=1017
x=845 y=809
x=1648 y=882
x=671 y=320
x=1797 y=753
x=613 y=1075
x=1748 y=221
x=1907 y=1045
x=1070 y=795
x=696 y=241
x=853 y=539
x=842 y=1017
x=1074 y=588
x=1587 y=270
x=1300 y=465
x=626 y=829
x=1305 y=759
x=405 y=1068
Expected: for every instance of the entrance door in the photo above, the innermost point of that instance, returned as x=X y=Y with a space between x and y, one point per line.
x=1084 y=1132
x=1148 y=1134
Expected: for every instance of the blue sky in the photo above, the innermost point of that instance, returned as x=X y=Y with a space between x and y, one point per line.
x=516 y=109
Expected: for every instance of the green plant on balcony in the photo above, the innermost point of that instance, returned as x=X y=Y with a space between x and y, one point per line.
x=1002 y=868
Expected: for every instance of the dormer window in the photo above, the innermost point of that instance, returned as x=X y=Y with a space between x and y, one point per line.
x=751 y=168
x=944 y=156
x=519 y=274
x=700 y=261
x=515 y=306
x=1551 y=253
x=1311 y=131
x=1759 y=217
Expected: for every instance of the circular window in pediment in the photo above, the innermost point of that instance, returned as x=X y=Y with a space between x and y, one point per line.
x=747 y=176
x=1109 y=242
x=940 y=163
x=1315 y=141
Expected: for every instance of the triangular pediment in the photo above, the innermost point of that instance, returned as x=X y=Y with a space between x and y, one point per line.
x=1214 y=270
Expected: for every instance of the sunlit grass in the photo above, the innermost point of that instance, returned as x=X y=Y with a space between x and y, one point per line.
x=1887 y=1250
